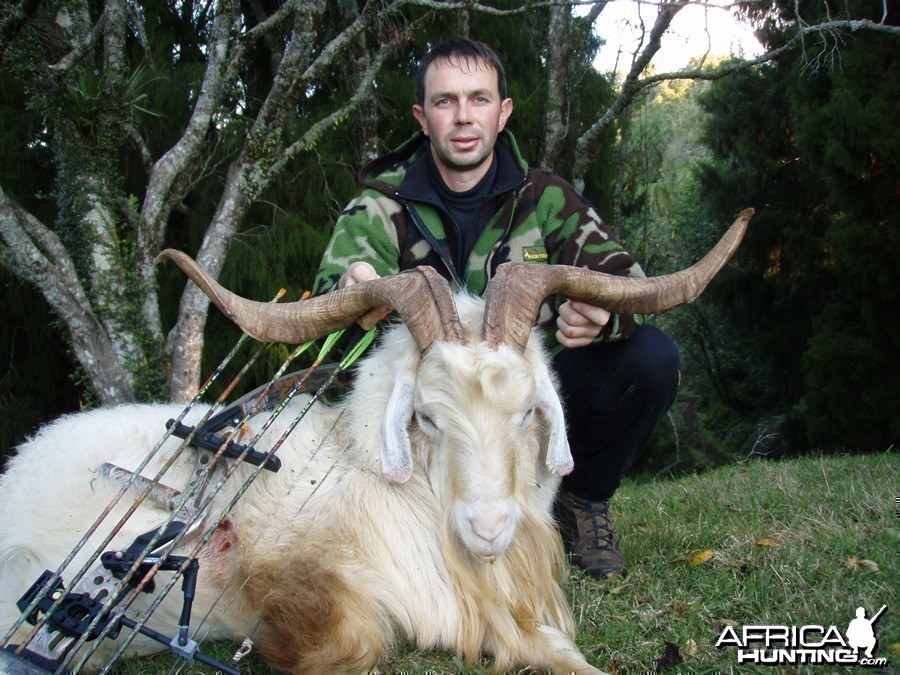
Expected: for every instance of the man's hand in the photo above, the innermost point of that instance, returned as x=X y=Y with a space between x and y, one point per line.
x=357 y=273
x=579 y=323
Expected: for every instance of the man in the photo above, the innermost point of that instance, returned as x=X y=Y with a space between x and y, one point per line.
x=459 y=197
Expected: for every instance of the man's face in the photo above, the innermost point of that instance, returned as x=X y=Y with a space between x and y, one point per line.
x=462 y=115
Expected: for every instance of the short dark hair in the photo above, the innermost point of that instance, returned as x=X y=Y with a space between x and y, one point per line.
x=461 y=48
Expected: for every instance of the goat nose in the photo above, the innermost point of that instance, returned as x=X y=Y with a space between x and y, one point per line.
x=489 y=526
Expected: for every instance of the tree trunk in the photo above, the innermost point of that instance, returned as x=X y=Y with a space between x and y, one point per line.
x=555 y=126
x=247 y=177
x=36 y=254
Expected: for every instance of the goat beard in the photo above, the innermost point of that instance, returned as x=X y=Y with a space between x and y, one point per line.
x=499 y=601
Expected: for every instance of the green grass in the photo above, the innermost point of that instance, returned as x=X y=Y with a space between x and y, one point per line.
x=797 y=542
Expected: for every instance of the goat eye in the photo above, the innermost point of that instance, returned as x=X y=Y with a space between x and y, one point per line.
x=527 y=417
x=425 y=421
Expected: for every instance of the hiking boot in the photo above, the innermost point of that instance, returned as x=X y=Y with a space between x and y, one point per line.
x=587 y=535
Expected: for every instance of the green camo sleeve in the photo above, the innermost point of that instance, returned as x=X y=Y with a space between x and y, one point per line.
x=363 y=233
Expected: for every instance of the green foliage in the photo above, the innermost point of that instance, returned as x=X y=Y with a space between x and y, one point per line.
x=724 y=403
x=853 y=354
x=812 y=151
x=852 y=360
x=791 y=346
x=85 y=99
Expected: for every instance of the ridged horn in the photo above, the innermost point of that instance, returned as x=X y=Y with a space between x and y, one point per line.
x=516 y=291
x=420 y=296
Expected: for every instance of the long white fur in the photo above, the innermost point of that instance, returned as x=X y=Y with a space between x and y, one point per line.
x=417 y=509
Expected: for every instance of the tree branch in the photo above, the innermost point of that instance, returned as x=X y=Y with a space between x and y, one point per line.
x=141 y=31
x=359 y=96
x=81 y=48
x=34 y=253
x=163 y=189
x=634 y=83
x=584 y=145
x=794 y=43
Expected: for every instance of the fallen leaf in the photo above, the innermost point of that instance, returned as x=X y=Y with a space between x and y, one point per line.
x=768 y=543
x=894 y=649
x=670 y=657
x=856 y=564
x=691 y=648
x=698 y=558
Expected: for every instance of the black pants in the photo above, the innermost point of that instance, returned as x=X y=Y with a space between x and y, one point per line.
x=614 y=396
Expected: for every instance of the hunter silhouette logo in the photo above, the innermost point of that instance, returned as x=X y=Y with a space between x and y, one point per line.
x=807 y=645
x=860 y=632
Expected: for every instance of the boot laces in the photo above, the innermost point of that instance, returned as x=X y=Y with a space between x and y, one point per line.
x=597 y=526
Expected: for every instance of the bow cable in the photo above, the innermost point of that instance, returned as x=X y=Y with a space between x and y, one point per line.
x=355 y=352
x=55 y=578
x=195 y=513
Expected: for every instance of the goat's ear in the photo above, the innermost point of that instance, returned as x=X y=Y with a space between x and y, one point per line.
x=396 y=453
x=559 y=456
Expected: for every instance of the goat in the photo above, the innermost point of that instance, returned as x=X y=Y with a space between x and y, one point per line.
x=417 y=509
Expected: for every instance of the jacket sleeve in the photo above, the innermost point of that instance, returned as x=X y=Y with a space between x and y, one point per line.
x=576 y=235
x=364 y=232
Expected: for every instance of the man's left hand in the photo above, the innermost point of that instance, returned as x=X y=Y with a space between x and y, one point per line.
x=579 y=323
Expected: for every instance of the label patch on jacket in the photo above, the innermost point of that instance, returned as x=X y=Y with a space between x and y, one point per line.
x=534 y=254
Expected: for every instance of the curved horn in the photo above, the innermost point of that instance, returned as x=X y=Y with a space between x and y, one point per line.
x=516 y=291
x=421 y=296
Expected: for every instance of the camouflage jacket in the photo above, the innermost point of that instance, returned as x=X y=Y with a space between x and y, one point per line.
x=397 y=223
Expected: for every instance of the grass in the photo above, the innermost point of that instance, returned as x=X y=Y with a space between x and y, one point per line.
x=798 y=542
x=782 y=543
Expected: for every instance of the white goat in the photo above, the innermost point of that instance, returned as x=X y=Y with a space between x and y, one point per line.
x=456 y=550
x=339 y=563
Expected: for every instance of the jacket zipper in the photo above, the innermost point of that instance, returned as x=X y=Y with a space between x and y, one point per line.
x=420 y=225
x=512 y=212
